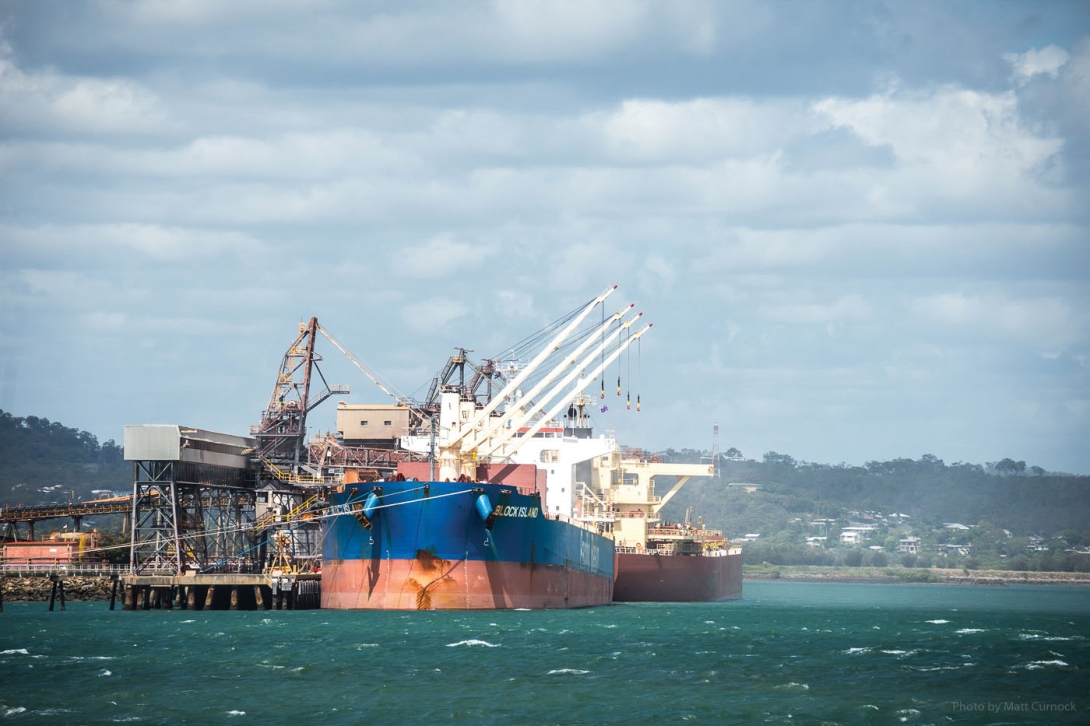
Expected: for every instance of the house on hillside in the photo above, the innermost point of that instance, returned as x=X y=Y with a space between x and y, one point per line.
x=745 y=486
x=911 y=545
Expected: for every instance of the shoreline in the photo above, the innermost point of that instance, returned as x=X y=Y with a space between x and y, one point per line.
x=97 y=589
x=911 y=576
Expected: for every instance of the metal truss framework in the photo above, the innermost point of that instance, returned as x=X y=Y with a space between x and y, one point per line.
x=287 y=528
x=191 y=515
x=327 y=452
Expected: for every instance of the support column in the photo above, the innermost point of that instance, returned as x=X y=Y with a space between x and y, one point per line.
x=210 y=597
x=113 y=593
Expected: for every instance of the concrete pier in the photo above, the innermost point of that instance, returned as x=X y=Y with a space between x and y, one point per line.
x=221 y=592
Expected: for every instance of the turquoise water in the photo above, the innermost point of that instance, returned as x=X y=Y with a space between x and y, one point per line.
x=787 y=653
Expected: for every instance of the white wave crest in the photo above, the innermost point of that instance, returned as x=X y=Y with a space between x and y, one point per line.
x=104 y=672
x=236 y=713
x=13 y=711
x=573 y=671
x=1038 y=636
x=485 y=643
x=938 y=622
x=856 y=651
x=966 y=631
x=1039 y=664
x=14 y=651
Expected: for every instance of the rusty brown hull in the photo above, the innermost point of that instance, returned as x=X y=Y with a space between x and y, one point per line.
x=654 y=578
x=435 y=584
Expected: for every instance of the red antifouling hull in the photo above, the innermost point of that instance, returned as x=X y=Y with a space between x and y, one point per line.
x=435 y=584
x=653 y=578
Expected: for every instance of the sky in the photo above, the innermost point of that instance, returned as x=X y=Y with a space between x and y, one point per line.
x=859 y=228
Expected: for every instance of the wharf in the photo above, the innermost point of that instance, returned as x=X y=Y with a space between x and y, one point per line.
x=221 y=591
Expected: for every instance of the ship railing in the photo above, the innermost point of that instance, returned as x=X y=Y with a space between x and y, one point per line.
x=658 y=552
x=292 y=477
x=631 y=515
x=590 y=526
x=684 y=532
x=71 y=568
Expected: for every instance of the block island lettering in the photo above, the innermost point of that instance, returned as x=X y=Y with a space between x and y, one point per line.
x=506 y=511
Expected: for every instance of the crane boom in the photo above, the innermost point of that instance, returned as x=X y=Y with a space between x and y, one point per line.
x=359 y=364
x=575 y=391
x=521 y=419
x=513 y=385
x=551 y=376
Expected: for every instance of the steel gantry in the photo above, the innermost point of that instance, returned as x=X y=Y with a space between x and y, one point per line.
x=193 y=500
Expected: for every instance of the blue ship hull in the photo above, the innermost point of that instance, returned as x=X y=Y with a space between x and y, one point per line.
x=456 y=545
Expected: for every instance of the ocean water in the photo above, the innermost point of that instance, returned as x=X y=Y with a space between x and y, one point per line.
x=787 y=653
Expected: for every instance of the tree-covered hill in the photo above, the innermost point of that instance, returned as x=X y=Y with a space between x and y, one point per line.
x=1024 y=501
x=45 y=462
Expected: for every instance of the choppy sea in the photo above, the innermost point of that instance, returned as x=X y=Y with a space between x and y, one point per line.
x=787 y=653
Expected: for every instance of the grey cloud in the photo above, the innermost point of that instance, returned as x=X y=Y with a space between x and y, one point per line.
x=856 y=233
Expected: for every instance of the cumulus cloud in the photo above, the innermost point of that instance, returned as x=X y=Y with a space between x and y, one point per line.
x=472 y=171
x=953 y=146
x=71 y=104
x=1046 y=61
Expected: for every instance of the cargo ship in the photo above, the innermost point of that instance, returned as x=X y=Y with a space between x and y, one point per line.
x=595 y=481
x=659 y=561
x=412 y=545
x=469 y=527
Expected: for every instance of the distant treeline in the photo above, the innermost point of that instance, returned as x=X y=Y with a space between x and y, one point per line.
x=42 y=461
x=1008 y=494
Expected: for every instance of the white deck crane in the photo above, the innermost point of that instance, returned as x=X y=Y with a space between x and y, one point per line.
x=524 y=408
x=509 y=426
x=474 y=422
x=516 y=444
